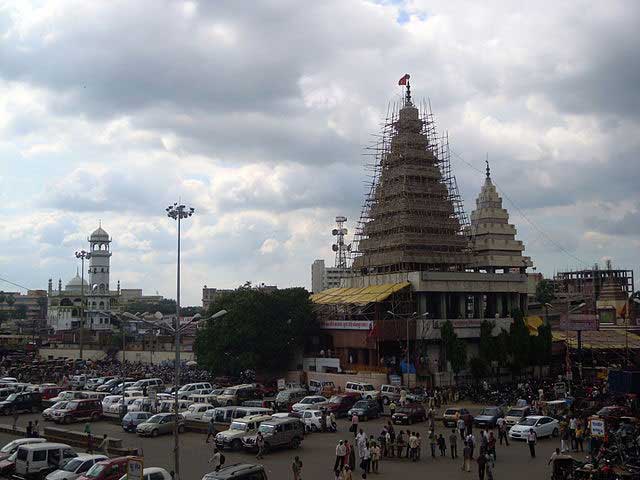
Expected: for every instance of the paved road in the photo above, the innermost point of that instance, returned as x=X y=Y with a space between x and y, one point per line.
x=317 y=453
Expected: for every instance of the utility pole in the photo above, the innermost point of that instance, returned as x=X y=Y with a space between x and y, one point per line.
x=177 y=212
x=82 y=254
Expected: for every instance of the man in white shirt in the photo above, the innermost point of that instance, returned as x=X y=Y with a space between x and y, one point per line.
x=341 y=452
x=216 y=460
x=532 y=438
x=461 y=428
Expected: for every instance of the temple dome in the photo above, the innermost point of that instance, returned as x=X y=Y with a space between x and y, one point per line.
x=99 y=234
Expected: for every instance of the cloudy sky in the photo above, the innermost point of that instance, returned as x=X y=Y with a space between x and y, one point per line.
x=257 y=114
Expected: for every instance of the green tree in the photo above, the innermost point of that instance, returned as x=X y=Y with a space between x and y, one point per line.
x=260 y=331
x=544 y=344
x=10 y=300
x=479 y=368
x=544 y=295
x=455 y=349
x=487 y=341
x=20 y=312
x=3 y=297
x=520 y=343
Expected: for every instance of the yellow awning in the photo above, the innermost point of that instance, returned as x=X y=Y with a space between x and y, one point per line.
x=533 y=322
x=358 y=296
x=599 y=340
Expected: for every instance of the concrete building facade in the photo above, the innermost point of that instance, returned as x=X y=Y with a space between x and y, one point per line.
x=323 y=277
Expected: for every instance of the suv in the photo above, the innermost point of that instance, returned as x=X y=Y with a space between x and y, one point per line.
x=390 y=393
x=365 y=409
x=239 y=428
x=238 y=394
x=189 y=389
x=76 y=410
x=38 y=459
x=21 y=402
x=277 y=432
x=147 y=383
x=76 y=467
x=409 y=413
x=111 y=469
x=238 y=471
x=488 y=417
x=451 y=415
x=514 y=415
x=78 y=381
x=340 y=404
x=365 y=389
x=286 y=398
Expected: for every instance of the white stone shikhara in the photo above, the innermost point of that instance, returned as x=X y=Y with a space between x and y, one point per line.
x=492 y=237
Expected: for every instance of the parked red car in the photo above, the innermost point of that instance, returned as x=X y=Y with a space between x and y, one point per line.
x=50 y=392
x=76 y=410
x=340 y=404
x=111 y=469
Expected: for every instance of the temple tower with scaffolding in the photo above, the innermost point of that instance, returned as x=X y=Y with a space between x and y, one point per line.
x=410 y=221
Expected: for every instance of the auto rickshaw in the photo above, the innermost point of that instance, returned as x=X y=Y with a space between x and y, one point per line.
x=563 y=467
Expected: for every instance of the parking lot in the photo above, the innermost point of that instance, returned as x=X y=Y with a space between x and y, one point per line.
x=317 y=453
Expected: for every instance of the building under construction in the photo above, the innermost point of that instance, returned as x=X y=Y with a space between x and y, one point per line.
x=418 y=260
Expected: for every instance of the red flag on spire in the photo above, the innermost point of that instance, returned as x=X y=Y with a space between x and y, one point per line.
x=404 y=79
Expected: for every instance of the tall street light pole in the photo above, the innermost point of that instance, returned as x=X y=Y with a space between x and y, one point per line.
x=82 y=254
x=178 y=213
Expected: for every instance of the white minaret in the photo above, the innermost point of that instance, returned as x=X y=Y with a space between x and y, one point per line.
x=98 y=300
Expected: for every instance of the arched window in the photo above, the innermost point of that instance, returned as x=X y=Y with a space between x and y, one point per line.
x=93 y=305
x=102 y=270
x=101 y=305
x=74 y=312
x=102 y=287
x=65 y=302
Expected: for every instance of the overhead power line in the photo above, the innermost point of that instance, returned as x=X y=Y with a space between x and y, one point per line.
x=14 y=284
x=538 y=229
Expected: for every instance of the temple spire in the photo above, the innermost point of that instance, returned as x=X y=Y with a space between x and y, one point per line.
x=488 y=169
x=407 y=98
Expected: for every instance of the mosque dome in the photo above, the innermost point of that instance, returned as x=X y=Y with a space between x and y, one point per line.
x=76 y=283
x=99 y=234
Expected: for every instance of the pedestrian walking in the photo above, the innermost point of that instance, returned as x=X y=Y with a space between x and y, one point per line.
x=482 y=463
x=453 y=444
x=351 y=455
x=29 y=429
x=502 y=431
x=260 y=445
x=104 y=445
x=432 y=443
x=332 y=422
x=491 y=446
x=419 y=446
x=573 y=425
x=532 y=439
x=376 y=455
x=341 y=455
x=580 y=438
x=392 y=408
x=461 y=428
x=466 y=458
x=35 y=433
x=489 y=467
x=16 y=416
x=442 y=446
x=296 y=468
x=217 y=459
x=564 y=438
x=471 y=440
x=413 y=447
x=211 y=430
x=354 y=424
x=365 y=459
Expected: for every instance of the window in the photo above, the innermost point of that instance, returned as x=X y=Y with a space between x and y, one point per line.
x=156 y=476
x=39 y=455
x=85 y=466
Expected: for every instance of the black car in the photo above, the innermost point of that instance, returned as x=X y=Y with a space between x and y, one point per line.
x=488 y=417
x=410 y=413
x=238 y=471
x=21 y=402
x=365 y=409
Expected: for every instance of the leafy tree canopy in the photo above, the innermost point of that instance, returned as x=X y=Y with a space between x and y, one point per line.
x=260 y=331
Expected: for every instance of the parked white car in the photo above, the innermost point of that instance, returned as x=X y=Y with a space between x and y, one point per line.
x=195 y=411
x=110 y=400
x=310 y=402
x=543 y=426
x=76 y=467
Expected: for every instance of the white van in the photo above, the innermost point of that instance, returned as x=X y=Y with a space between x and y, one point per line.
x=390 y=393
x=367 y=390
x=196 y=411
x=168 y=406
x=249 y=411
x=316 y=386
x=40 y=459
x=189 y=389
x=147 y=383
x=220 y=414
